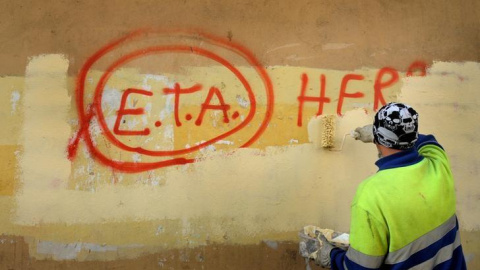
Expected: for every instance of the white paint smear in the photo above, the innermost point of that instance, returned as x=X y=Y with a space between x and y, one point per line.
x=59 y=251
x=225 y=142
x=111 y=98
x=336 y=46
x=242 y=102
x=70 y=251
x=283 y=47
x=14 y=101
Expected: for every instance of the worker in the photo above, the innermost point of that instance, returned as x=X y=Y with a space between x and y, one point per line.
x=402 y=217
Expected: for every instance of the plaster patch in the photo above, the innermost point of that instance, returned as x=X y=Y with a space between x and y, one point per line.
x=59 y=251
x=45 y=132
x=70 y=251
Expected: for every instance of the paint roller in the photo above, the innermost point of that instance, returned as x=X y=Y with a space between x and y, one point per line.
x=321 y=131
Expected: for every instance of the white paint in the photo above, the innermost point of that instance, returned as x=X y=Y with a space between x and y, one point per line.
x=14 y=101
x=168 y=132
x=132 y=123
x=336 y=46
x=283 y=47
x=100 y=248
x=148 y=108
x=158 y=78
x=244 y=103
x=144 y=120
x=70 y=251
x=111 y=98
x=59 y=251
x=169 y=107
x=295 y=57
x=271 y=244
x=208 y=149
x=136 y=157
x=110 y=120
x=94 y=129
x=225 y=142
x=382 y=52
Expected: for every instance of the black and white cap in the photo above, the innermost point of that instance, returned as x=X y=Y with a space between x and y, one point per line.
x=396 y=126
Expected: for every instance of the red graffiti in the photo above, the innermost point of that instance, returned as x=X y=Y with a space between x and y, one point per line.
x=417 y=66
x=380 y=85
x=213 y=101
x=302 y=98
x=177 y=91
x=208 y=106
x=122 y=112
x=385 y=78
x=343 y=90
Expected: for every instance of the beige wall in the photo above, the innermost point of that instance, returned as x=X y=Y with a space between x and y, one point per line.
x=83 y=186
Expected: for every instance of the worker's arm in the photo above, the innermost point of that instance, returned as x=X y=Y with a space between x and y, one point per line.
x=424 y=140
x=428 y=146
x=364 y=134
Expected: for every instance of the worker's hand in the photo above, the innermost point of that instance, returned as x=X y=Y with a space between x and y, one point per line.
x=323 y=258
x=364 y=134
x=309 y=248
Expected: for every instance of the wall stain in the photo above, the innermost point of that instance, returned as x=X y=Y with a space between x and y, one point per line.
x=14 y=254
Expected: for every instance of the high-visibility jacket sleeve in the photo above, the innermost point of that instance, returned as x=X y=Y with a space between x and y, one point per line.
x=428 y=147
x=368 y=243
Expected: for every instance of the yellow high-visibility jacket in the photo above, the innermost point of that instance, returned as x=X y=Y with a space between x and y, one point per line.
x=403 y=217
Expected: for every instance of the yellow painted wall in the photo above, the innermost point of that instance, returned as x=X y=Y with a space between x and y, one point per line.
x=237 y=195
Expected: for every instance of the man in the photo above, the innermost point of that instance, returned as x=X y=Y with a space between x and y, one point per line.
x=403 y=217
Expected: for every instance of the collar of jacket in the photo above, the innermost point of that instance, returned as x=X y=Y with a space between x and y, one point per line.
x=400 y=159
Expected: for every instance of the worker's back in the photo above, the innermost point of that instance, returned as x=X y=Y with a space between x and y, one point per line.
x=404 y=216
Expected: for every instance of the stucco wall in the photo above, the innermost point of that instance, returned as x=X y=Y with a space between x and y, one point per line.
x=182 y=134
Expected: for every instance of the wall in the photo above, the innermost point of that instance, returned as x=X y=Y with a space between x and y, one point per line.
x=182 y=134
